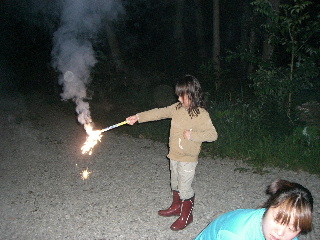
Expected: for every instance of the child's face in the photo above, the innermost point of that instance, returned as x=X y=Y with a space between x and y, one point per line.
x=273 y=230
x=185 y=101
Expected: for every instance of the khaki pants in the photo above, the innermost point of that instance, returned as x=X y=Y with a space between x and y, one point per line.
x=182 y=174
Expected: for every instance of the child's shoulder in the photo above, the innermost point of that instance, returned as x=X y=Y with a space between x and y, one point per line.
x=203 y=111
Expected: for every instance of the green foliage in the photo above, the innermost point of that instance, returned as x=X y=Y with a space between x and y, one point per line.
x=295 y=29
x=269 y=84
x=242 y=134
x=244 y=55
x=209 y=80
x=237 y=125
x=219 y=85
x=306 y=136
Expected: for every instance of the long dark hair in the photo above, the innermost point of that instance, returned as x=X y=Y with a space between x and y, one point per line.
x=295 y=201
x=190 y=86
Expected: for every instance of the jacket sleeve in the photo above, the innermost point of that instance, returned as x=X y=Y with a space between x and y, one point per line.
x=156 y=114
x=207 y=132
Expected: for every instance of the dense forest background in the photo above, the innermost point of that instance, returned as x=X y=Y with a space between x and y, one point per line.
x=257 y=61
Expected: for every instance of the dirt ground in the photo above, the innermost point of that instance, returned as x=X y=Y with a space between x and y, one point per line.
x=43 y=195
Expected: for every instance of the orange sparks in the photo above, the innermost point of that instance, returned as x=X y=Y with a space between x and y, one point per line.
x=92 y=139
x=85 y=174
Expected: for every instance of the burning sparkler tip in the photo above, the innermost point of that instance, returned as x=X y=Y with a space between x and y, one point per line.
x=85 y=174
x=94 y=136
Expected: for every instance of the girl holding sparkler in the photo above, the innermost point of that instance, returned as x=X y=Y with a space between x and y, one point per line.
x=286 y=214
x=190 y=126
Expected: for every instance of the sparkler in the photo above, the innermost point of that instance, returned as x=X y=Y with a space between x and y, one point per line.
x=114 y=126
x=95 y=136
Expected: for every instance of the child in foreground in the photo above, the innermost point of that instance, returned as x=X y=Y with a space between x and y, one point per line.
x=190 y=126
x=286 y=214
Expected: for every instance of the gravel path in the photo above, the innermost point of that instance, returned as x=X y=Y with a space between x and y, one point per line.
x=42 y=195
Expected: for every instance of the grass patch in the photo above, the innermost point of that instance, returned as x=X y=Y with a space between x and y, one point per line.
x=242 y=135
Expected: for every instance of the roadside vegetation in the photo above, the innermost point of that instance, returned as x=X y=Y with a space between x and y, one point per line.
x=244 y=133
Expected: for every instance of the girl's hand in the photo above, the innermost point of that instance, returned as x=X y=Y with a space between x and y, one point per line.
x=132 y=119
x=187 y=134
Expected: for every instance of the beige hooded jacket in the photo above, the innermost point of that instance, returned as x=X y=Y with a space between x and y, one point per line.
x=181 y=149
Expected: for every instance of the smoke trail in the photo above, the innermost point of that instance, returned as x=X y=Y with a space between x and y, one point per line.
x=72 y=54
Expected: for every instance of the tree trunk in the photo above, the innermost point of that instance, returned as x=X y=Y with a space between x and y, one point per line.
x=200 y=33
x=248 y=36
x=178 y=27
x=267 y=48
x=252 y=43
x=216 y=41
x=114 y=47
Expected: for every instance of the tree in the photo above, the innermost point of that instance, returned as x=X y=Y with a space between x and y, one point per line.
x=178 y=27
x=267 y=49
x=114 y=47
x=294 y=31
x=216 y=37
x=216 y=43
x=200 y=30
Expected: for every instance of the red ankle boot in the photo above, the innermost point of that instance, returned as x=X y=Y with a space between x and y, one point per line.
x=186 y=216
x=174 y=209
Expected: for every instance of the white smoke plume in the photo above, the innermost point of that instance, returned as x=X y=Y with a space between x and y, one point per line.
x=73 y=54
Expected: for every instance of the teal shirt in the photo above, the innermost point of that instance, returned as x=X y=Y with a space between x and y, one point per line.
x=241 y=224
